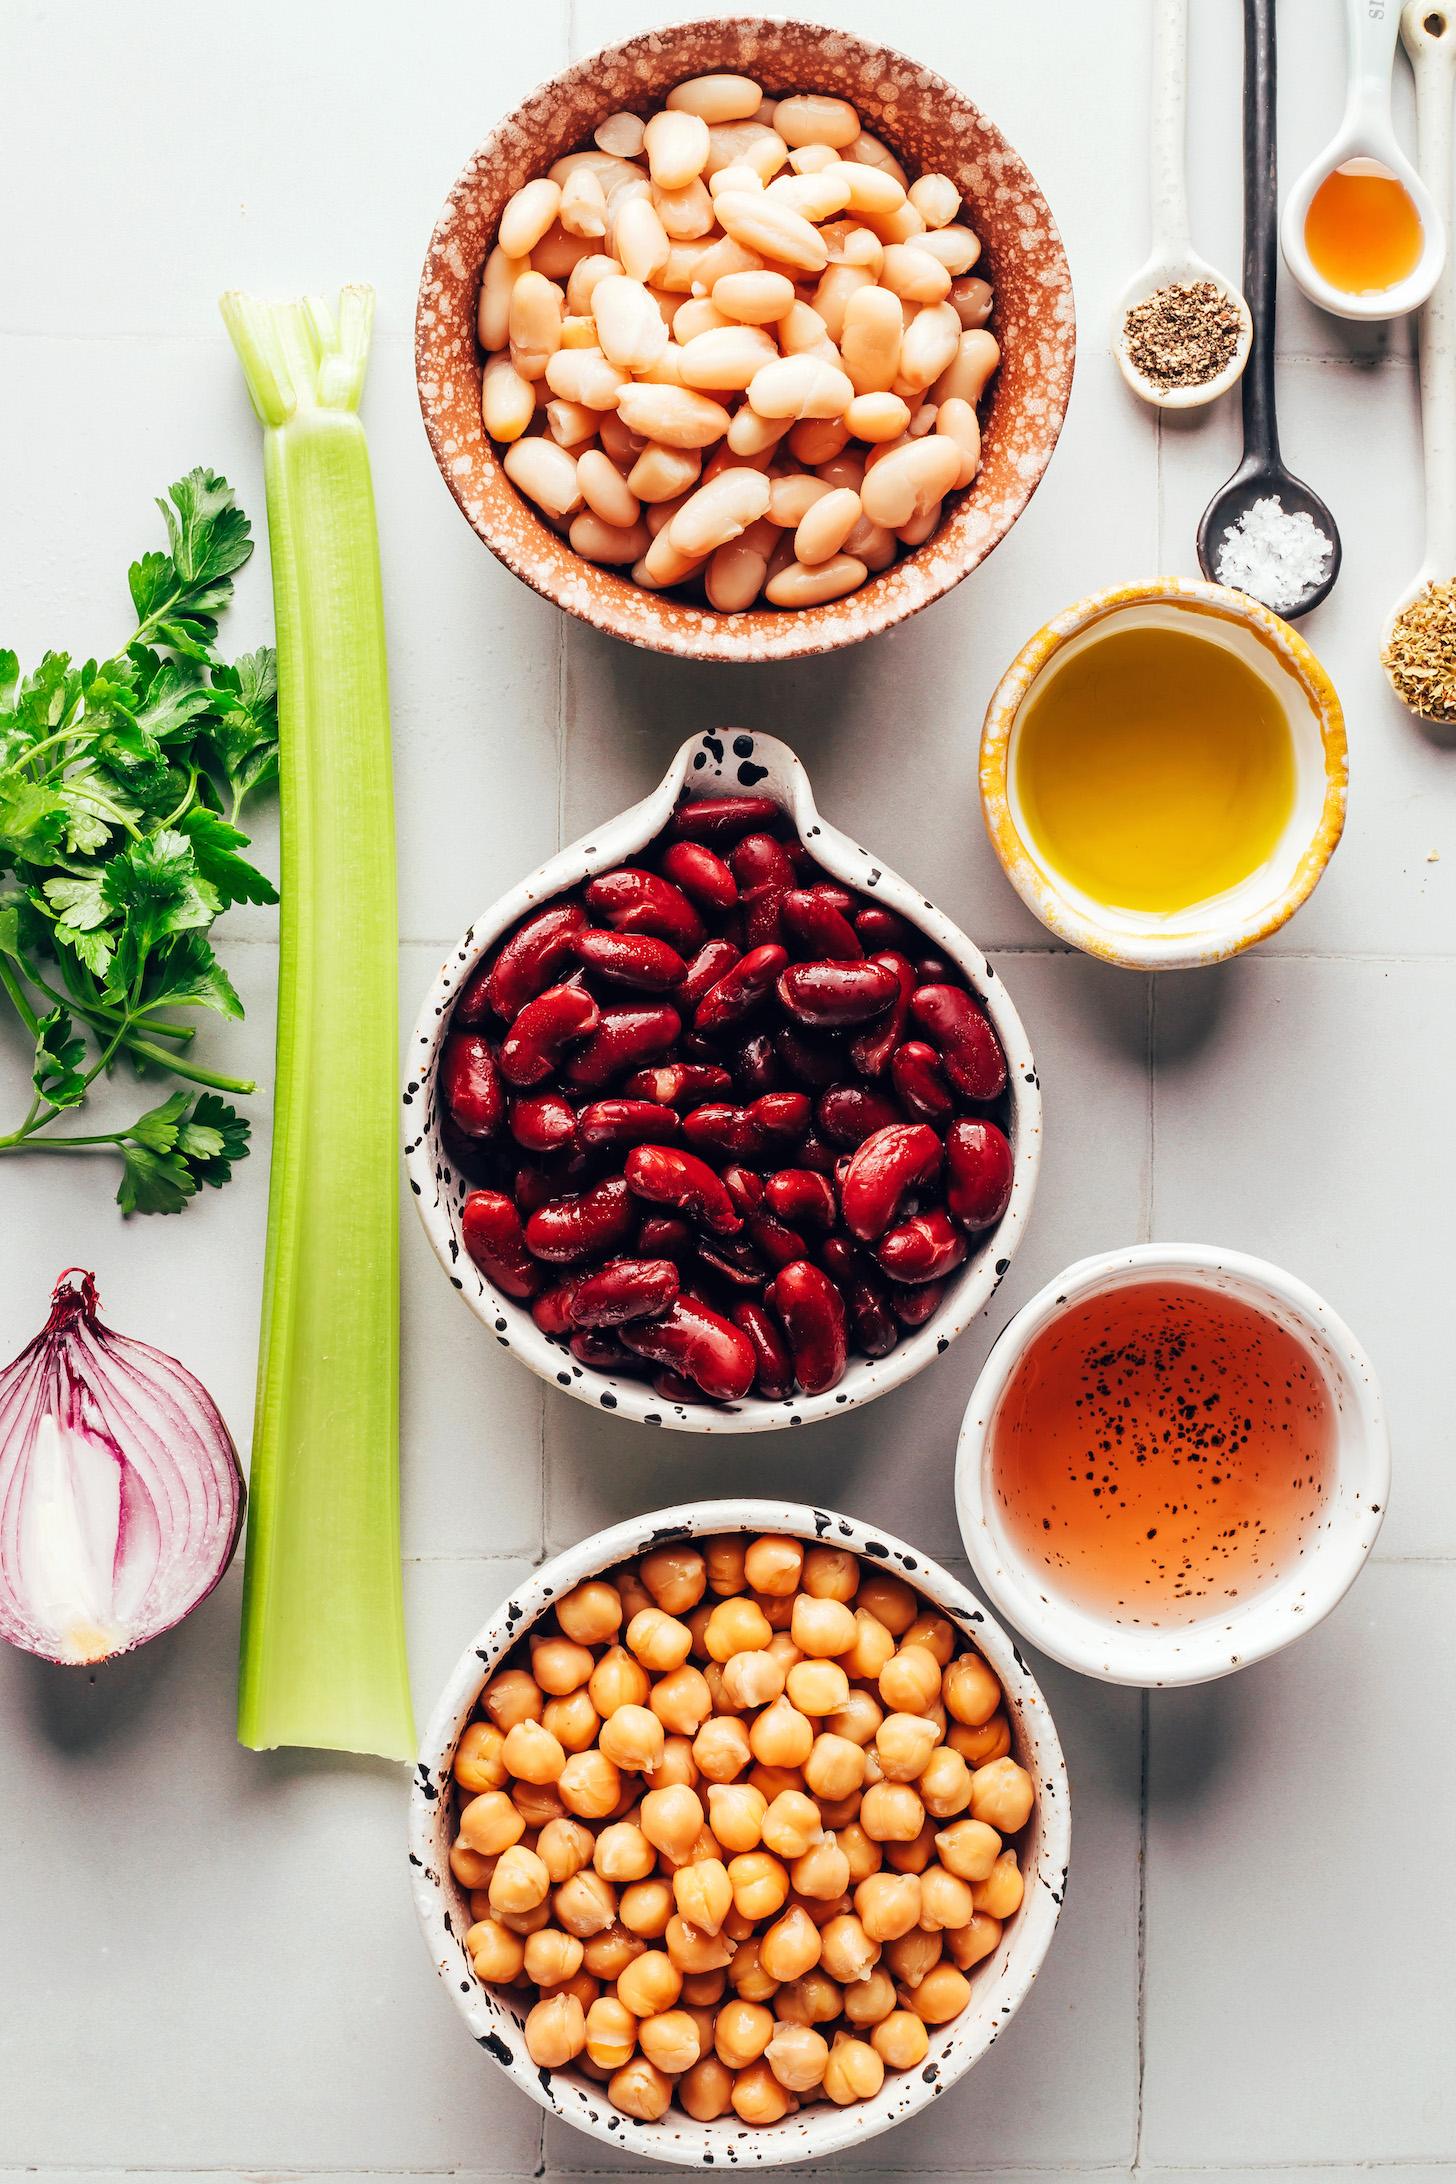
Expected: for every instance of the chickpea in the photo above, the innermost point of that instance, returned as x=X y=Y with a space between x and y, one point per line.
x=746 y=1974
x=873 y=1645
x=781 y=1736
x=617 y=1681
x=913 y=1955
x=646 y=1908
x=1002 y=1795
x=478 y=1762
x=693 y=1950
x=1001 y=1892
x=773 y=1564
x=736 y=1626
x=682 y=1700
x=639 y=2089
x=592 y=1613
x=759 y=1883
x=606 y=1955
x=942 y=1994
x=552 y=1957
x=700 y=1990
x=972 y=1693
x=560 y=1666
x=936 y=1633
x=735 y=1814
x=916 y=1854
x=564 y=1847
x=677 y=1768
x=978 y=1747
x=758 y=2097
x=945 y=1783
x=753 y=1679
x=888 y=1904
x=742 y=2032
x=623 y=1853
x=556 y=2031
x=891 y=1812
x=635 y=1596
x=611 y=2033
x=519 y=1882
x=721 y=1749
x=831 y=1573
x=777 y=1610
x=527 y=1922
x=813 y=2000
x=900 y=2040
x=532 y=1754
x=969 y=1944
x=538 y=1803
x=585 y=1904
x=969 y=1849
x=632 y=1738
x=670 y=2040
x=512 y=1696
x=903 y=1745
x=573 y=1721
x=945 y=1899
x=783 y=1649
x=671 y=1817
x=490 y=1823
x=864 y=1854
x=822 y=1872
x=846 y=1951
x=706 y=2091
x=651 y=1983
x=797 y=2056
x=589 y=1785
x=909 y=1682
x=854 y=2072
x=660 y=1642
x=837 y=1812
x=774 y=1781
x=889 y=1600
x=867 y=2001
x=817 y=1687
x=726 y=1559
x=703 y=1891
x=791 y=1824
x=495 y=1952
x=821 y=1627
x=858 y=1719
x=676 y=1577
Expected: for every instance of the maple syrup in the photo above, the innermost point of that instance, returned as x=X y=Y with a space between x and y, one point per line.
x=1362 y=230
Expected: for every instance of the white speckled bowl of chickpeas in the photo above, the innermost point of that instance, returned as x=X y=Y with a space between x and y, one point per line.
x=739 y=1833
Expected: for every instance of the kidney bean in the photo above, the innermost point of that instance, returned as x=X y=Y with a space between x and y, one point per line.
x=866 y=1297
x=686 y=1183
x=774 y=1240
x=934 y=970
x=734 y=1262
x=586 y=1226
x=923 y=1248
x=882 y=1173
x=879 y=928
x=720 y=1128
x=630 y=959
x=826 y=996
x=635 y=901
x=913 y=1307
x=811 y=1310
x=760 y=861
x=663 y=1236
x=814 y=925
x=849 y=1113
x=672 y=1388
x=695 y=1341
x=679 y=1082
x=742 y=1185
x=530 y=959
x=756 y=1067
x=471 y=1085
x=533 y=1187
x=721 y=818
x=871 y=1049
x=473 y=1009
x=783 y=1117
x=601 y=1351
x=542 y=1122
x=978 y=1172
x=803 y=1198
x=919 y=1082
x=693 y=1047
x=712 y=960
x=606 y=1124
x=970 y=1052
x=701 y=874
x=811 y=1061
x=741 y=990
x=543 y=1030
x=624 y=1289
x=490 y=1229
x=624 y=1038
x=552 y=1309
x=814 y=1153
x=773 y=1367
x=763 y=924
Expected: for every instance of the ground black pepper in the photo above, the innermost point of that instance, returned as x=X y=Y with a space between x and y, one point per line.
x=1420 y=654
x=1182 y=335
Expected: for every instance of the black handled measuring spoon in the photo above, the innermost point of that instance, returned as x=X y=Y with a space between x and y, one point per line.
x=1262 y=475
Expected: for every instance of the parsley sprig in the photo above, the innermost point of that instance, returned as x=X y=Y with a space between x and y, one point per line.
x=121 y=782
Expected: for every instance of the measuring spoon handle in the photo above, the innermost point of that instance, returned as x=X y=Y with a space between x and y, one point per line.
x=1261 y=228
x=1168 y=134
x=1429 y=36
x=1370 y=28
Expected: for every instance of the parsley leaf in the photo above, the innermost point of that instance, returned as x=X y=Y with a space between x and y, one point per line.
x=245 y=734
x=189 y=975
x=173 y=1149
x=215 y=845
x=178 y=595
x=58 y=1058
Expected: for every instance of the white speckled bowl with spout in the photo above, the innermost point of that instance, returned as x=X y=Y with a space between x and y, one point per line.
x=998 y=1985
x=722 y=763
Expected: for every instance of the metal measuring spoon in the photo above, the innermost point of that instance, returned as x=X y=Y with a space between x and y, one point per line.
x=1173 y=260
x=1429 y=36
x=1262 y=475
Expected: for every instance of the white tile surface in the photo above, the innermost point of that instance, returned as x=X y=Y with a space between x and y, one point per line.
x=211 y=1968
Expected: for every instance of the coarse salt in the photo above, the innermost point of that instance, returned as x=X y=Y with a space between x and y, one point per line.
x=1274 y=556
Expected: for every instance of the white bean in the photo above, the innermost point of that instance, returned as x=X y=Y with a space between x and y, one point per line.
x=682 y=271
x=813 y=158
x=871 y=189
x=583 y=204
x=874 y=327
x=932 y=340
x=720 y=259
x=545 y=473
x=956 y=420
x=965 y=377
x=910 y=479
x=699 y=315
x=492 y=318
x=801 y=328
x=557 y=252
x=872 y=544
x=535 y=319
x=750 y=434
x=800 y=386
x=745 y=143
x=623 y=446
x=605 y=491
x=920 y=526
x=790 y=498
x=584 y=375
x=507 y=401
x=973 y=301
x=527 y=216
x=677 y=147
x=868 y=151
x=898 y=226
x=825 y=526
x=582 y=280
x=814 y=196
x=737 y=571
x=596 y=540
x=663 y=473
x=773 y=229
x=796 y=586
x=837 y=283
x=719 y=511
x=664 y=563
x=757 y=299
x=817 y=440
x=878 y=416
x=936 y=199
x=811 y=118
x=639 y=239
x=571 y=424
x=629 y=324
x=676 y=416
x=726 y=357
x=717 y=98
x=664 y=370
x=915 y=276
x=957 y=248
x=620 y=134
x=687 y=213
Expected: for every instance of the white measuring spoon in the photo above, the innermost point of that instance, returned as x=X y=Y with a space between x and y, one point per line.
x=1173 y=258
x=1366 y=135
x=1429 y=36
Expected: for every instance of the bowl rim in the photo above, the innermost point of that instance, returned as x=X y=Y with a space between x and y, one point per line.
x=1010 y=1974
x=727 y=759
x=1181 y=949
x=1264 y=1624
x=889 y=597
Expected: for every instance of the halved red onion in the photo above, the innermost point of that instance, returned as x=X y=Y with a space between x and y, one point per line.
x=121 y=1497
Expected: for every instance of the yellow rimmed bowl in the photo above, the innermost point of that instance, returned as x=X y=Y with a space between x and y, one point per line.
x=1225 y=924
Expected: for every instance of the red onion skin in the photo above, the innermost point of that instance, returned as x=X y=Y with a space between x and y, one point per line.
x=99 y=1383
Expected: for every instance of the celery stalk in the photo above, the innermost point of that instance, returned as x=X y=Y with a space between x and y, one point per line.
x=323 y=1656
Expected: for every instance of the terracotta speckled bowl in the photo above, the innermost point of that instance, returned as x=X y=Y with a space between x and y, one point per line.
x=928 y=124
